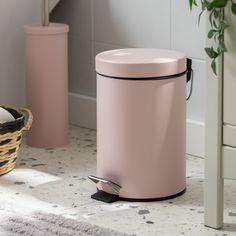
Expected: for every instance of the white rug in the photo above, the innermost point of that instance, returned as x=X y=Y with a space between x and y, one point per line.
x=42 y=224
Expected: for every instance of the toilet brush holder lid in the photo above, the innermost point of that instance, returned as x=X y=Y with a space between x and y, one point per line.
x=52 y=29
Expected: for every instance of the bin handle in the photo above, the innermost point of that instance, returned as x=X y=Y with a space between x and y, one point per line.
x=190 y=76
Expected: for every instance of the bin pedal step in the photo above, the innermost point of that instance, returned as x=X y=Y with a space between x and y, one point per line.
x=105 y=197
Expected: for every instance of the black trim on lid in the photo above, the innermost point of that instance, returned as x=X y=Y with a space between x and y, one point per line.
x=188 y=72
x=147 y=78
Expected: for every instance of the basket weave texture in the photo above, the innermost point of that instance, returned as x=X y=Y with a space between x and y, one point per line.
x=11 y=136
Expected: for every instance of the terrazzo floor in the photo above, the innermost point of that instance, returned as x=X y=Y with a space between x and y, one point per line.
x=55 y=181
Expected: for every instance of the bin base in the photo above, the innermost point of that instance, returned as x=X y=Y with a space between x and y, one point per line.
x=110 y=198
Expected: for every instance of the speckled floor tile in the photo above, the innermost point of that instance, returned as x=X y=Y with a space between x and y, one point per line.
x=55 y=181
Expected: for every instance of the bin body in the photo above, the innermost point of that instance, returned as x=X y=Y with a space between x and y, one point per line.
x=47 y=84
x=141 y=128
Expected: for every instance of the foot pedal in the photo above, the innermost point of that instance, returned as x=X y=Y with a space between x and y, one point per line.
x=105 y=197
x=114 y=186
x=102 y=196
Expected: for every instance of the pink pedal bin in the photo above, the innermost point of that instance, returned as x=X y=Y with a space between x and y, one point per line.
x=141 y=124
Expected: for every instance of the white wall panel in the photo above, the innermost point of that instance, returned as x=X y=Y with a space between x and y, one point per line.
x=13 y=15
x=186 y=35
x=142 y=23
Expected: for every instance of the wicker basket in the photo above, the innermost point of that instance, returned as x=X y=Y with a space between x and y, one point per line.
x=10 y=137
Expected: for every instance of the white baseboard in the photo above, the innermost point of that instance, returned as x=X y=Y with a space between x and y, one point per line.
x=195 y=138
x=82 y=110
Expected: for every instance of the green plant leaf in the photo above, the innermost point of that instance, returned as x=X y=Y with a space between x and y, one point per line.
x=233 y=8
x=211 y=19
x=205 y=5
x=218 y=4
x=216 y=14
x=211 y=53
x=213 y=66
x=192 y=3
x=223 y=25
x=214 y=24
x=199 y=17
x=211 y=33
x=222 y=47
x=218 y=26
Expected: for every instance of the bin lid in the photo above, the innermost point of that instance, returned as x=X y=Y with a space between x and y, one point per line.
x=140 y=63
x=53 y=28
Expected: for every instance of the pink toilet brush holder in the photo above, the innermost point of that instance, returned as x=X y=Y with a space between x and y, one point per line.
x=47 y=83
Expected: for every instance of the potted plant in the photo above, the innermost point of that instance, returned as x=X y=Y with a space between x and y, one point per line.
x=220 y=120
x=218 y=25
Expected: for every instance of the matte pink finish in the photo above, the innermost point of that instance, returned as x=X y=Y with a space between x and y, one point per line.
x=141 y=139
x=140 y=63
x=47 y=84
